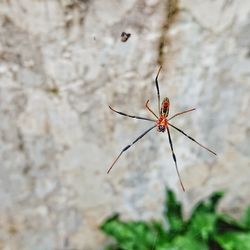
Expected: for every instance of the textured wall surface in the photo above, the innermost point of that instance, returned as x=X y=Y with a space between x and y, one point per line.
x=62 y=63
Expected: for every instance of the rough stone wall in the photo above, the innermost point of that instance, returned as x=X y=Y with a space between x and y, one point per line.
x=62 y=63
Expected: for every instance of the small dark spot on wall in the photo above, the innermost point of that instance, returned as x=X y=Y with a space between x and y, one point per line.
x=53 y=90
x=68 y=23
x=12 y=229
x=125 y=36
x=81 y=20
x=7 y=20
x=21 y=146
x=26 y=170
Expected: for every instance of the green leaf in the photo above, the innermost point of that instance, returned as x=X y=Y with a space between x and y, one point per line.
x=234 y=241
x=185 y=242
x=136 y=235
x=202 y=222
x=173 y=212
x=246 y=218
x=203 y=225
x=210 y=204
x=119 y=230
x=226 y=223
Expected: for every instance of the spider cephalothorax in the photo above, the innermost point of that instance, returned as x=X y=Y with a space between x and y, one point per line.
x=162 y=123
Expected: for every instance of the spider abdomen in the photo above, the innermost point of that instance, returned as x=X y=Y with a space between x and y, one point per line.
x=165 y=107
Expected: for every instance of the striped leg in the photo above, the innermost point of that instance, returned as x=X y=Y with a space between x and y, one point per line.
x=131 y=116
x=150 y=110
x=128 y=146
x=175 y=161
x=191 y=138
x=183 y=112
x=157 y=89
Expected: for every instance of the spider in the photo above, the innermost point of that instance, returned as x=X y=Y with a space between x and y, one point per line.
x=161 y=123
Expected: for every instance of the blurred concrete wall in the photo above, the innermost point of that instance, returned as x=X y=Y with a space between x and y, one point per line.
x=62 y=63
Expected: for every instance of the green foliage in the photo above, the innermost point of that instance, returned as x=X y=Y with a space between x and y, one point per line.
x=204 y=230
x=173 y=213
x=246 y=218
x=234 y=240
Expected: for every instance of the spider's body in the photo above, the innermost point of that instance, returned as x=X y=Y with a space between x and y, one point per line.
x=162 y=124
x=162 y=121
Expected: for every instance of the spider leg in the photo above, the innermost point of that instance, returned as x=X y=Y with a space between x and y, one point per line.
x=191 y=138
x=150 y=110
x=157 y=89
x=180 y=113
x=131 y=116
x=175 y=161
x=128 y=146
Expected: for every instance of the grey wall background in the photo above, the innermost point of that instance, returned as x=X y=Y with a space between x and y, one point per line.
x=62 y=63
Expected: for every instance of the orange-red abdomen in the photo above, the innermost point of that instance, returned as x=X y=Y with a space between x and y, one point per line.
x=165 y=107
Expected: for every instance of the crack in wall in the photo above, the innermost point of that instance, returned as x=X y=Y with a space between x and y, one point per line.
x=171 y=10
